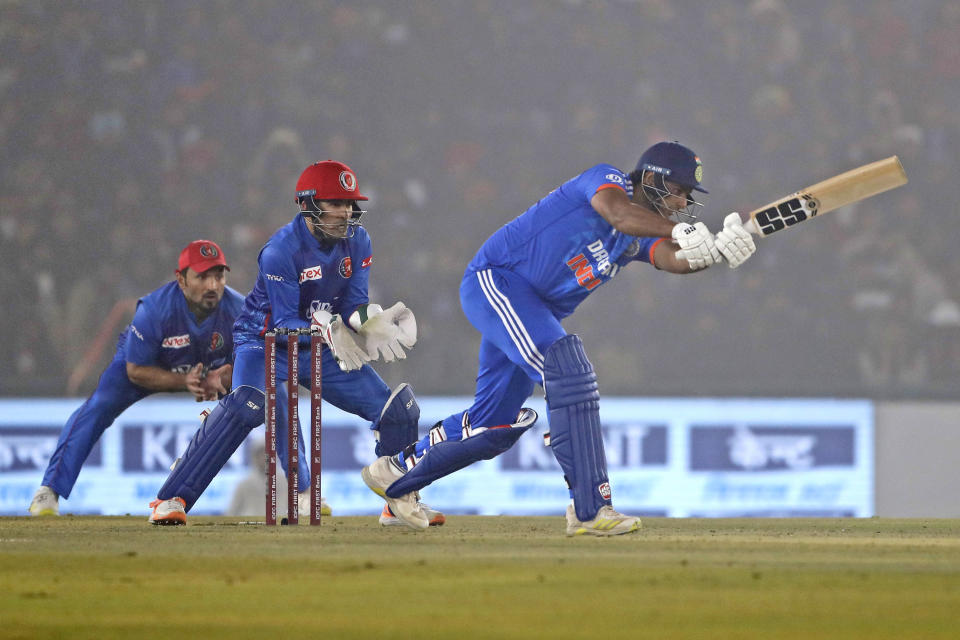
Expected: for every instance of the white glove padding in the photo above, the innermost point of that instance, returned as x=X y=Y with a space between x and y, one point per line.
x=734 y=242
x=340 y=340
x=387 y=332
x=696 y=245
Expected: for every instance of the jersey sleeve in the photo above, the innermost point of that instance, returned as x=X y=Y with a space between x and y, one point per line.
x=603 y=176
x=143 y=341
x=641 y=251
x=281 y=282
x=358 y=289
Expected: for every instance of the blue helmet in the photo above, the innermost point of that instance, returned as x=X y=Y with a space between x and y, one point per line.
x=674 y=162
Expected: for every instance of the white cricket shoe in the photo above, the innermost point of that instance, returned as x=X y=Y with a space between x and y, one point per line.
x=607 y=523
x=434 y=517
x=45 y=503
x=382 y=473
x=303 y=505
x=168 y=512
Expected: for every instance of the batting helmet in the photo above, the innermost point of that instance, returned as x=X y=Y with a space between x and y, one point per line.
x=326 y=181
x=674 y=162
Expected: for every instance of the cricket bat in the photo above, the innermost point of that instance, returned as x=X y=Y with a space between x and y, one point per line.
x=827 y=195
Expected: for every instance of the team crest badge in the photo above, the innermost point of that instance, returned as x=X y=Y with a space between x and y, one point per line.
x=605 y=492
x=348 y=181
x=216 y=341
x=346 y=267
x=209 y=251
x=698 y=172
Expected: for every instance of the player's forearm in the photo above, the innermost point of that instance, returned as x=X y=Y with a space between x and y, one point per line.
x=155 y=378
x=628 y=217
x=665 y=258
x=638 y=222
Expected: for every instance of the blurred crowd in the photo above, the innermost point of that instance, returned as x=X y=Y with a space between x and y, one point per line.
x=129 y=128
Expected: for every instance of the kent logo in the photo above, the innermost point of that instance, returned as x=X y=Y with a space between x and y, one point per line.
x=583 y=271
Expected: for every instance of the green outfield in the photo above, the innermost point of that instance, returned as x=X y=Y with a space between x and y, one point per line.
x=479 y=577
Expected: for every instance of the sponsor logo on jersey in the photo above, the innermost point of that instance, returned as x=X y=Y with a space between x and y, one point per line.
x=216 y=341
x=176 y=342
x=311 y=273
x=600 y=255
x=604 y=489
x=346 y=267
x=583 y=271
x=366 y=262
x=316 y=305
x=270 y=276
x=135 y=332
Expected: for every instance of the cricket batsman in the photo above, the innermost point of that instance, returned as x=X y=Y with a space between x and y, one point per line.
x=525 y=279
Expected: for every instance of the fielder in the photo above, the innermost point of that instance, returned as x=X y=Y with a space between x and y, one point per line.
x=526 y=278
x=179 y=340
x=313 y=272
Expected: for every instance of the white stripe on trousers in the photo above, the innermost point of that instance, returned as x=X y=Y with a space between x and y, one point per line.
x=516 y=330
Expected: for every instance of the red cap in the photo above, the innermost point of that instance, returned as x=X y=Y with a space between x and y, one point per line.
x=201 y=255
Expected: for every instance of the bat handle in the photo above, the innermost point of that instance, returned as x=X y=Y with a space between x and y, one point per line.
x=751 y=226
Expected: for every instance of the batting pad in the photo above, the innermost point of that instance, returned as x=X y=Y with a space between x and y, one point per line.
x=443 y=458
x=397 y=426
x=573 y=402
x=219 y=436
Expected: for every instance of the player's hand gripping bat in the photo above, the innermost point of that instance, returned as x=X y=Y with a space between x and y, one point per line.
x=832 y=193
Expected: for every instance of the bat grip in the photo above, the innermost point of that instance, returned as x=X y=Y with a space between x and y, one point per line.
x=751 y=226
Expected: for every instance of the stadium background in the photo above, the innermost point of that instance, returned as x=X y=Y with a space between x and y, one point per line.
x=129 y=128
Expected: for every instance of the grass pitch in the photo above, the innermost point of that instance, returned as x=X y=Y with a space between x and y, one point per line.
x=479 y=577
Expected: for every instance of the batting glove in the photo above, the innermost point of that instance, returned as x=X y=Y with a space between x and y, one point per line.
x=734 y=242
x=697 y=245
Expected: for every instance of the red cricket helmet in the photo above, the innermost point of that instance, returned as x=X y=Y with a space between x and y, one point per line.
x=329 y=180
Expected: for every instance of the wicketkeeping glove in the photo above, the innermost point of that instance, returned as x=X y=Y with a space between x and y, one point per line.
x=734 y=242
x=387 y=332
x=697 y=245
x=349 y=355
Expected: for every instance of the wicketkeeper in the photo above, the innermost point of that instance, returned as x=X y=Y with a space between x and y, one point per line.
x=313 y=272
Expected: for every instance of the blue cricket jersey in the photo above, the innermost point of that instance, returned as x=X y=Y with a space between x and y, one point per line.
x=299 y=275
x=562 y=246
x=164 y=332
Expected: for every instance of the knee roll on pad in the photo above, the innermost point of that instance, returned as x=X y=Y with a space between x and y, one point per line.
x=443 y=458
x=212 y=445
x=397 y=425
x=573 y=401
